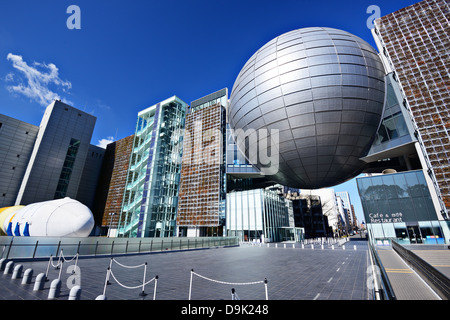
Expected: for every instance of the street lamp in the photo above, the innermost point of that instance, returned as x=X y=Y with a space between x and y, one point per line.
x=111 y=214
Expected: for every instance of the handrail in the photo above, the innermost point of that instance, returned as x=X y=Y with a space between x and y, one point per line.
x=435 y=279
x=386 y=292
x=43 y=247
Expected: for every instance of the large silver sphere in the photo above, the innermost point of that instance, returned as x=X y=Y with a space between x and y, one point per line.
x=323 y=89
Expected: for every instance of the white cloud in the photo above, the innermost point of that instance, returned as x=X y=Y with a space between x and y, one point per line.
x=104 y=142
x=38 y=78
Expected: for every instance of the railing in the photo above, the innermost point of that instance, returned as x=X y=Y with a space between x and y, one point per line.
x=435 y=279
x=44 y=247
x=382 y=290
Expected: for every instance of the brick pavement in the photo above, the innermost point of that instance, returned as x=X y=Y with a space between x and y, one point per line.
x=292 y=273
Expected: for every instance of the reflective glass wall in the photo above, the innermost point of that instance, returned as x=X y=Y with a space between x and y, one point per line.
x=257 y=215
x=399 y=206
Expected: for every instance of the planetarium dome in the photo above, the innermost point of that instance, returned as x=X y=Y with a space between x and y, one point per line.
x=324 y=90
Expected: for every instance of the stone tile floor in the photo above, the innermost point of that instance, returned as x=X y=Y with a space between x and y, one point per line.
x=292 y=274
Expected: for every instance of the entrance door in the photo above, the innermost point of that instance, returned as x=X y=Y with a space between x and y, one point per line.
x=414 y=234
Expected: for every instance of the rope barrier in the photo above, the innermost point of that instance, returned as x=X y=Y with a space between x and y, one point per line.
x=127 y=287
x=50 y=262
x=227 y=283
x=64 y=258
x=144 y=283
x=130 y=267
x=54 y=266
x=61 y=260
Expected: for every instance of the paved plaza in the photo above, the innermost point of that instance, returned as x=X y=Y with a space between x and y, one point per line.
x=291 y=273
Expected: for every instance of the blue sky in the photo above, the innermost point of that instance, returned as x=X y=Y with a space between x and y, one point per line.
x=131 y=54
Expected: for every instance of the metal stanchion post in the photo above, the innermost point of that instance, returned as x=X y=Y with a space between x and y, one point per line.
x=143 y=294
x=109 y=268
x=265 y=287
x=48 y=267
x=154 y=290
x=190 y=285
x=108 y=271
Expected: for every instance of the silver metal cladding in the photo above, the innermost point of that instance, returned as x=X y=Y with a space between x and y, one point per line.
x=322 y=90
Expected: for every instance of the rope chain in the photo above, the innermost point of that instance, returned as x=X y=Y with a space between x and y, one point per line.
x=126 y=287
x=229 y=283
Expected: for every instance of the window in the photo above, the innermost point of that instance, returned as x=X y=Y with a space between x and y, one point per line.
x=391 y=128
x=66 y=170
x=400 y=233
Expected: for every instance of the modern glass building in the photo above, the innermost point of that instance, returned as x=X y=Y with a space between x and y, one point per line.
x=260 y=215
x=201 y=205
x=398 y=196
x=399 y=206
x=150 y=199
x=414 y=43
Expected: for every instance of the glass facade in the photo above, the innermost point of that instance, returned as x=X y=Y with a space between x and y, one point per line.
x=258 y=215
x=395 y=129
x=150 y=199
x=66 y=171
x=399 y=206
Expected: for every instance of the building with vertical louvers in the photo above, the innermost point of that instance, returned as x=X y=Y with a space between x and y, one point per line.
x=201 y=204
x=415 y=44
x=111 y=184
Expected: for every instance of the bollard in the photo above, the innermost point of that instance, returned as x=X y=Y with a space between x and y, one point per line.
x=285 y=245
x=39 y=283
x=332 y=247
x=354 y=247
x=312 y=246
x=343 y=247
x=101 y=297
x=17 y=273
x=27 y=275
x=303 y=246
x=322 y=246
x=75 y=293
x=3 y=262
x=55 y=289
x=9 y=267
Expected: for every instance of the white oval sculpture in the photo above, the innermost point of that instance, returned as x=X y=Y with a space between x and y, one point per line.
x=56 y=218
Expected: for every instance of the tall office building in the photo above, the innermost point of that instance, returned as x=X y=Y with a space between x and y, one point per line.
x=405 y=195
x=351 y=217
x=201 y=205
x=150 y=199
x=330 y=209
x=59 y=154
x=415 y=45
x=111 y=185
x=16 y=144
